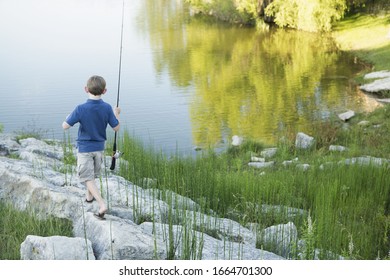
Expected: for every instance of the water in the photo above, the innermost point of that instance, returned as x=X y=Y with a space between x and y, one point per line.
x=185 y=81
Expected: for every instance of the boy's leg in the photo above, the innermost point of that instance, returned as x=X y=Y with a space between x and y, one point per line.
x=89 y=196
x=91 y=187
x=97 y=166
x=87 y=169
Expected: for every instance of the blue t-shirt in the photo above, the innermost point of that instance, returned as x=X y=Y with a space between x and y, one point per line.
x=93 y=116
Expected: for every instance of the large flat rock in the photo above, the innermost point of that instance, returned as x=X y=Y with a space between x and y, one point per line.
x=380 y=84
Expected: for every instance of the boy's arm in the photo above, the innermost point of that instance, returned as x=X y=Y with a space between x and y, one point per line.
x=116 y=128
x=65 y=125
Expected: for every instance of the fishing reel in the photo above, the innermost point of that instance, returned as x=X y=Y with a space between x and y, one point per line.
x=117 y=154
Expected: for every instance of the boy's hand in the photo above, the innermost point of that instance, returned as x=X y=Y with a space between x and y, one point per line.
x=117 y=112
x=65 y=125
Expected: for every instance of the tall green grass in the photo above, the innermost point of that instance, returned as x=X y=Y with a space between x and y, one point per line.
x=16 y=225
x=347 y=203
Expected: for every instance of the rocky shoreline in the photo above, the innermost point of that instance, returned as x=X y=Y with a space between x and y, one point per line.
x=137 y=225
x=143 y=223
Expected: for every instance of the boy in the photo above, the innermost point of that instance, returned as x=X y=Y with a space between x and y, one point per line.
x=94 y=115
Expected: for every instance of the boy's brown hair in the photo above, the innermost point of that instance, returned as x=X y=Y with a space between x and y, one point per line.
x=96 y=85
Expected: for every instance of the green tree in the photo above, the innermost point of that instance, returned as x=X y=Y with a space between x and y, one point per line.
x=237 y=11
x=307 y=15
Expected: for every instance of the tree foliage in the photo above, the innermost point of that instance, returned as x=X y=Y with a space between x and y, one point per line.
x=239 y=11
x=308 y=15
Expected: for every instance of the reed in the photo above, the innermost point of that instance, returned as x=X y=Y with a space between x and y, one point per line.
x=16 y=225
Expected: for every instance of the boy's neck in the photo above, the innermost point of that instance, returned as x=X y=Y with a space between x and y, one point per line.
x=94 y=97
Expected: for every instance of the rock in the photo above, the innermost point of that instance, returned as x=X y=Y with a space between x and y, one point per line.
x=303 y=141
x=377 y=86
x=261 y=164
x=237 y=140
x=4 y=151
x=204 y=246
x=378 y=75
x=177 y=201
x=148 y=183
x=382 y=83
x=39 y=151
x=347 y=115
x=383 y=100
x=268 y=153
x=118 y=239
x=257 y=159
x=221 y=228
x=289 y=162
x=327 y=165
x=337 y=148
x=282 y=238
x=8 y=144
x=56 y=248
x=303 y=166
x=366 y=160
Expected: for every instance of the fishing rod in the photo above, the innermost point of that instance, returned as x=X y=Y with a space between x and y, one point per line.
x=115 y=153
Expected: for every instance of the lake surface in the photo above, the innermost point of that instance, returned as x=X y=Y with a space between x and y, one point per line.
x=186 y=81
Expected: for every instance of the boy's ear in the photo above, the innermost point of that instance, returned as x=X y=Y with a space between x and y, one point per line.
x=86 y=89
x=104 y=91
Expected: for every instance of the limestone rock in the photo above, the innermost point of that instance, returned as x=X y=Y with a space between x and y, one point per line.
x=378 y=75
x=366 y=160
x=56 y=248
x=383 y=100
x=377 y=86
x=8 y=144
x=303 y=166
x=268 y=153
x=282 y=238
x=346 y=115
x=303 y=141
x=289 y=162
x=257 y=159
x=237 y=140
x=261 y=164
x=337 y=148
x=205 y=246
x=118 y=239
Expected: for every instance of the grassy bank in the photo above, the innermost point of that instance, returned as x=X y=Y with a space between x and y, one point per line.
x=368 y=37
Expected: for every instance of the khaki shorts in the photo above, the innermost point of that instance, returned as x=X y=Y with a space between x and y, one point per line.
x=89 y=165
